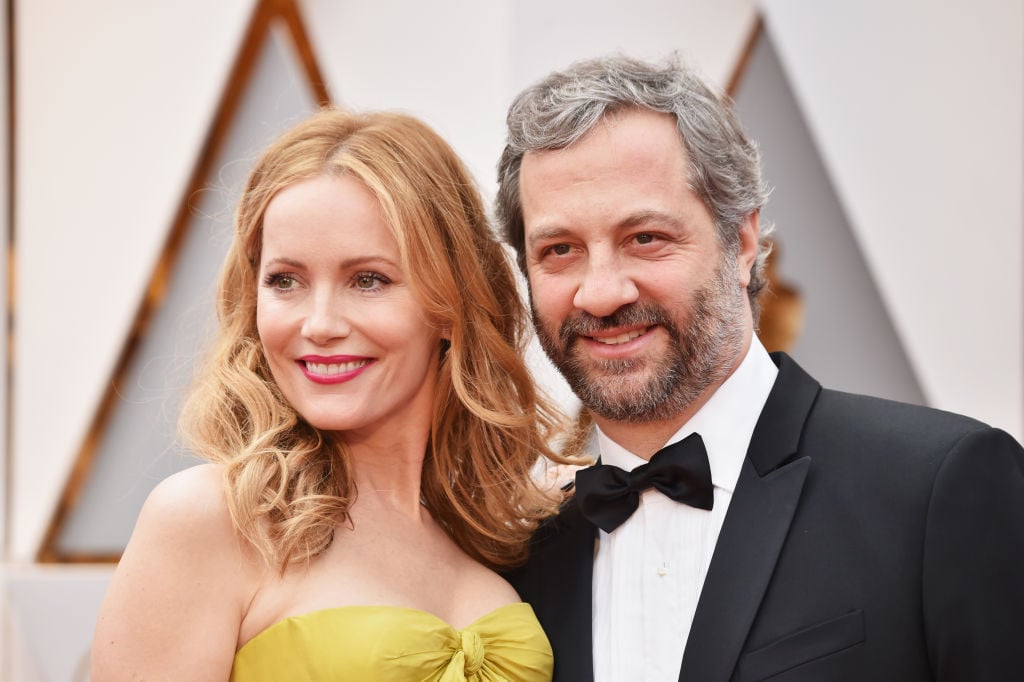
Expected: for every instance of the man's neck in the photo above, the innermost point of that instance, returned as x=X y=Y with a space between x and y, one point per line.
x=644 y=439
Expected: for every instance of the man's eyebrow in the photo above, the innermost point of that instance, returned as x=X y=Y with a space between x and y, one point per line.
x=544 y=234
x=639 y=218
x=652 y=216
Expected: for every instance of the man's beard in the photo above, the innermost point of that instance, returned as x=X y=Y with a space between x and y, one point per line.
x=701 y=354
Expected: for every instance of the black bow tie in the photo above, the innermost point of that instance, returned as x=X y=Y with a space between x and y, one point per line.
x=607 y=495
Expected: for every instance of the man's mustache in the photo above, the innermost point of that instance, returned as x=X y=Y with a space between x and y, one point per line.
x=581 y=323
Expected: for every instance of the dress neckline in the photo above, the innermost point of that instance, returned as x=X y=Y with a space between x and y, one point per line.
x=380 y=607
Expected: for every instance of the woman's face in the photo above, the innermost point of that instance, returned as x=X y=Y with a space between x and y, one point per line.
x=348 y=344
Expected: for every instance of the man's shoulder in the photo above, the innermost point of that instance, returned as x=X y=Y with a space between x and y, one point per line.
x=869 y=419
x=889 y=418
x=865 y=436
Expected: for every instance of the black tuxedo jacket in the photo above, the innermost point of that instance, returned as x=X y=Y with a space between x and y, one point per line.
x=866 y=540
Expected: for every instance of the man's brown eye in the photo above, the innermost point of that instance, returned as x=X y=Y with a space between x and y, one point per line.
x=645 y=238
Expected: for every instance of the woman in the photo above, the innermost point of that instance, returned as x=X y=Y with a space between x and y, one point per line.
x=371 y=427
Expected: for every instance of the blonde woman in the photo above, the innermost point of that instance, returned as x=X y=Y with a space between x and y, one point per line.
x=371 y=428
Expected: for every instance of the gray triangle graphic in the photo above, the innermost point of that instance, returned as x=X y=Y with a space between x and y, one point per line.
x=139 y=447
x=848 y=341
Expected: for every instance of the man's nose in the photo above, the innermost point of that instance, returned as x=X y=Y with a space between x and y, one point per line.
x=605 y=287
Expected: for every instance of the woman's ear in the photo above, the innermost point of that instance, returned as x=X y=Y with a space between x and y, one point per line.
x=446 y=341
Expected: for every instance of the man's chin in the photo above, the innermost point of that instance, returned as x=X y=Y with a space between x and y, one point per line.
x=627 y=409
x=613 y=389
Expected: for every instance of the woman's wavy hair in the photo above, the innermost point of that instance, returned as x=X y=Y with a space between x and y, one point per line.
x=725 y=166
x=290 y=485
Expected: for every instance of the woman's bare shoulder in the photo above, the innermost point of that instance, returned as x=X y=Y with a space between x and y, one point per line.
x=191 y=500
x=182 y=586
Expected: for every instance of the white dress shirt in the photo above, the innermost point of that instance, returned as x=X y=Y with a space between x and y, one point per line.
x=648 y=572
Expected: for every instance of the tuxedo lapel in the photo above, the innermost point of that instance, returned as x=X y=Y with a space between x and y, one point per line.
x=754 y=529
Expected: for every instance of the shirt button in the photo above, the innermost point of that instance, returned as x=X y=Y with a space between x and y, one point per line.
x=662 y=571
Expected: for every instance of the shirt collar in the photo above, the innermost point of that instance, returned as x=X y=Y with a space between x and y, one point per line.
x=725 y=422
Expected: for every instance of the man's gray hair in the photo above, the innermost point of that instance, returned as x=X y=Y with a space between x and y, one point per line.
x=725 y=168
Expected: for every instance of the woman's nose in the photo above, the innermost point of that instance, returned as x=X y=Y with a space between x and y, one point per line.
x=325 y=320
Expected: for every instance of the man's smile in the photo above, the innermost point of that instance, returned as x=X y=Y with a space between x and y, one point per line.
x=618 y=339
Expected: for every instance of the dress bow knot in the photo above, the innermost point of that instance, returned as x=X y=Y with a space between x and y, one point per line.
x=473 y=651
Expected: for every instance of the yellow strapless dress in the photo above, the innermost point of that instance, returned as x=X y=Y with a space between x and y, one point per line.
x=365 y=643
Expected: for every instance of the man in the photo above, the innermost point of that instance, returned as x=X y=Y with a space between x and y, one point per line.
x=819 y=535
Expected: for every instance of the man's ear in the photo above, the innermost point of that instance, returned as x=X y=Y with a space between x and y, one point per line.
x=750 y=237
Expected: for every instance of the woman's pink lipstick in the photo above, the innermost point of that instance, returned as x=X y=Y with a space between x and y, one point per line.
x=332 y=369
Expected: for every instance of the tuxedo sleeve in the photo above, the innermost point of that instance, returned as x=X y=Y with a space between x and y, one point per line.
x=973 y=573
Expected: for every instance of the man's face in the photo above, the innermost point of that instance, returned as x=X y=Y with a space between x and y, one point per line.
x=633 y=297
